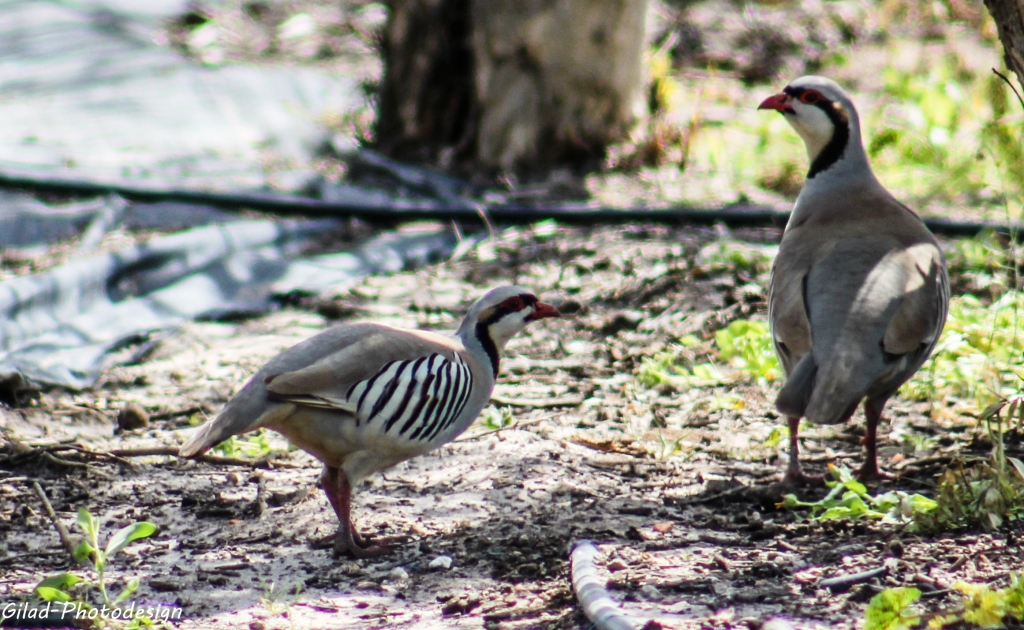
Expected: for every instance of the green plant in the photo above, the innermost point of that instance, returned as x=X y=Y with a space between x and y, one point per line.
x=976 y=362
x=747 y=346
x=256 y=446
x=981 y=606
x=57 y=588
x=744 y=345
x=494 y=418
x=989 y=492
x=947 y=132
x=274 y=599
x=893 y=609
x=849 y=499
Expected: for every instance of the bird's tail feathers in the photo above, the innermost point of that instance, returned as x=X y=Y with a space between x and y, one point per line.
x=839 y=389
x=199 y=442
x=796 y=393
x=247 y=411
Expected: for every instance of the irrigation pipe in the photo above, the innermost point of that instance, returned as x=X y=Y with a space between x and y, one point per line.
x=599 y=608
x=738 y=215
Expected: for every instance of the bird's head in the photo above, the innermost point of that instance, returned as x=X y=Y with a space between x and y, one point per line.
x=824 y=117
x=503 y=312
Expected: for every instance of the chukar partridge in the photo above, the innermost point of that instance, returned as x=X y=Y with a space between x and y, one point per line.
x=859 y=289
x=364 y=397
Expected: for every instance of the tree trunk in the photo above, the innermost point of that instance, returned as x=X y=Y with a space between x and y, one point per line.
x=510 y=85
x=1009 y=17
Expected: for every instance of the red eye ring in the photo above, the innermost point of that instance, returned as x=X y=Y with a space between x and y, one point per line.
x=810 y=98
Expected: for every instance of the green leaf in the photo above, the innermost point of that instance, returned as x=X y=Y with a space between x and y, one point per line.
x=992 y=410
x=88 y=523
x=62 y=581
x=84 y=551
x=982 y=606
x=789 y=501
x=889 y=609
x=923 y=504
x=48 y=594
x=1015 y=597
x=126 y=535
x=130 y=587
x=855 y=486
x=1017 y=465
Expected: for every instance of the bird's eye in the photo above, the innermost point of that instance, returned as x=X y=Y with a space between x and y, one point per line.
x=809 y=97
x=514 y=303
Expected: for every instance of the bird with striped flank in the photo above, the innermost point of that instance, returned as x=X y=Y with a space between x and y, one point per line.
x=363 y=397
x=859 y=289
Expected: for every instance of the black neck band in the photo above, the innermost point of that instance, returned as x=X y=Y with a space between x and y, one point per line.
x=483 y=335
x=837 y=143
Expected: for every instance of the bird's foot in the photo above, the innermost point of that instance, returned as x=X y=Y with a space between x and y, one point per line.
x=871 y=472
x=357 y=551
x=795 y=476
x=358 y=546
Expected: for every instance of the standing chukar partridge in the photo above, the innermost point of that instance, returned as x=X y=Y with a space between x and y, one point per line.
x=859 y=290
x=364 y=397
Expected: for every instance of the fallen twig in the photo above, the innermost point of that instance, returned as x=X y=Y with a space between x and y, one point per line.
x=599 y=608
x=538 y=403
x=171 y=451
x=167 y=415
x=711 y=498
x=120 y=455
x=934 y=459
x=843 y=582
x=511 y=427
x=47 y=453
x=65 y=538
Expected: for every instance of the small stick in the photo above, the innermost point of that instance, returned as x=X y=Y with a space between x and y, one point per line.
x=209 y=459
x=62 y=531
x=511 y=427
x=543 y=403
x=1012 y=87
x=844 y=582
x=599 y=608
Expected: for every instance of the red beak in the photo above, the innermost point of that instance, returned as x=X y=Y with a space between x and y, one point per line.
x=778 y=102
x=542 y=311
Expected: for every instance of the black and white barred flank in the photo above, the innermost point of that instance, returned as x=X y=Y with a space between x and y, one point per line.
x=416 y=399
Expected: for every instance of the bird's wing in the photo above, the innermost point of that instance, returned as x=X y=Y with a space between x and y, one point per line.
x=316 y=373
x=922 y=312
x=787 y=309
x=331 y=378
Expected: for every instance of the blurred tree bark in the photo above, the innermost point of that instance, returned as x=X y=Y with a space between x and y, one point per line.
x=510 y=85
x=1009 y=18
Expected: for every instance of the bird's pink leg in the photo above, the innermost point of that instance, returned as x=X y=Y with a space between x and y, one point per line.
x=794 y=472
x=869 y=470
x=339 y=494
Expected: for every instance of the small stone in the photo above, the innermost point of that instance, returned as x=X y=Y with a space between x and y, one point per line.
x=663 y=527
x=651 y=592
x=131 y=417
x=367 y=585
x=441 y=562
x=256 y=625
x=398 y=574
x=896 y=548
x=162 y=585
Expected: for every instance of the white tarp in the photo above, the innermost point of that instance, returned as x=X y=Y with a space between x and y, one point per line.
x=87 y=94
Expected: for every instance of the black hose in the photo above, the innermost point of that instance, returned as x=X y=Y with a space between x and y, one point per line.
x=737 y=215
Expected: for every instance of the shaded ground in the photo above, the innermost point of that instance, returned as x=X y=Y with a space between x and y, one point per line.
x=676 y=483
x=583 y=451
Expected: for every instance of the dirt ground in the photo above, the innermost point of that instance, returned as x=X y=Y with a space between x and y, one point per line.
x=676 y=486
